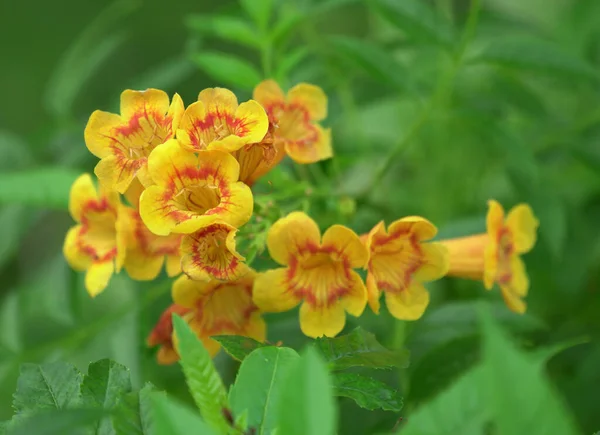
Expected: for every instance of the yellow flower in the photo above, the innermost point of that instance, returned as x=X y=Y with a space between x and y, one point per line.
x=162 y=335
x=192 y=192
x=145 y=251
x=258 y=158
x=494 y=256
x=319 y=273
x=399 y=263
x=295 y=117
x=123 y=143
x=216 y=122
x=92 y=245
x=220 y=308
x=210 y=253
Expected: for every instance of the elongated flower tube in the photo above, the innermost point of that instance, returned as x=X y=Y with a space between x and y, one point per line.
x=192 y=192
x=92 y=245
x=400 y=262
x=217 y=122
x=220 y=308
x=495 y=256
x=124 y=142
x=162 y=335
x=318 y=273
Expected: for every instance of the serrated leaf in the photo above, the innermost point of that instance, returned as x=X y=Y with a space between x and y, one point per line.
x=50 y=386
x=237 y=346
x=259 y=10
x=417 y=19
x=360 y=348
x=64 y=421
x=224 y=27
x=259 y=385
x=228 y=69
x=367 y=392
x=48 y=188
x=204 y=382
x=309 y=407
x=135 y=416
x=172 y=418
x=372 y=59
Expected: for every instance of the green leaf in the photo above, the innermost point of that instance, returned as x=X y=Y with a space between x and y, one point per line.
x=134 y=415
x=259 y=10
x=14 y=151
x=417 y=19
x=45 y=187
x=372 y=59
x=360 y=348
x=289 y=62
x=64 y=421
x=50 y=386
x=536 y=55
x=538 y=407
x=165 y=75
x=172 y=418
x=228 y=28
x=552 y=214
x=259 y=385
x=202 y=378
x=237 y=346
x=309 y=407
x=104 y=386
x=228 y=69
x=367 y=392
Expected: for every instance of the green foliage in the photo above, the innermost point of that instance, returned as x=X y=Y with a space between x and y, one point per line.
x=237 y=346
x=136 y=415
x=38 y=188
x=367 y=392
x=227 y=69
x=175 y=419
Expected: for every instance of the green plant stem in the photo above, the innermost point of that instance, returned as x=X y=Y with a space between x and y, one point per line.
x=266 y=57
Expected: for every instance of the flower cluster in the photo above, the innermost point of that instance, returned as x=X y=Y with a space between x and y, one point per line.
x=175 y=187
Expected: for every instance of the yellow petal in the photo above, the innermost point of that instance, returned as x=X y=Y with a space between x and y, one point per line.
x=212 y=346
x=173 y=265
x=257 y=328
x=142 y=267
x=166 y=355
x=312 y=150
x=133 y=193
x=76 y=258
x=252 y=121
x=187 y=292
x=519 y=282
x=82 y=192
x=513 y=302
x=148 y=101
x=117 y=173
x=490 y=262
x=322 y=321
x=523 y=226
x=291 y=234
x=436 y=262
x=311 y=98
x=97 y=134
x=373 y=293
x=268 y=93
x=218 y=100
x=421 y=227
x=175 y=113
x=97 y=277
x=271 y=292
x=355 y=301
x=168 y=163
x=408 y=304
x=347 y=244
x=494 y=219
x=193 y=128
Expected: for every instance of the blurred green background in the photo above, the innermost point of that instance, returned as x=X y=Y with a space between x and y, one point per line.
x=435 y=107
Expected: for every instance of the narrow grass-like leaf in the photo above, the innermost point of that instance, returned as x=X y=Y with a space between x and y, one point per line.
x=224 y=27
x=237 y=346
x=367 y=392
x=228 y=69
x=259 y=10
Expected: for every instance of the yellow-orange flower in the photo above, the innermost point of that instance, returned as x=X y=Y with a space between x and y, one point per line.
x=124 y=142
x=296 y=117
x=216 y=122
x=399 y=263
x=319 y=273
x=192 y=192
x=162 y=335
x=92 y=245
x=257 y=159
x=220 y=308
x=145 y=251
x=494 y=256
x=210 y=253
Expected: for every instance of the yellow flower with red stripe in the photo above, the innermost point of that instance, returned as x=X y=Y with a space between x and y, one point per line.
x=258 y=158
x=220 y=308
x=318 y=272
x=162 y=335
x=193 y=191
x=295 y=117
x=92 y=245
x=217 y=122
x=495 y=256
x=399 y=263
x=124 y=142
x=210 y=253
x=145 y=251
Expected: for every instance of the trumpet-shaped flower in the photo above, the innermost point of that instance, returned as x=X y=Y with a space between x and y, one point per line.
x=258 y=158
x=162 y=335
x=494 y=256
x=296 y=117
x=220 y=308
x=92 y=245
x=124 y=142
x=319 y=273
x=399 y=263
x=210 y=253
x=217 y=122
x=192 y=192
x=145 y=251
